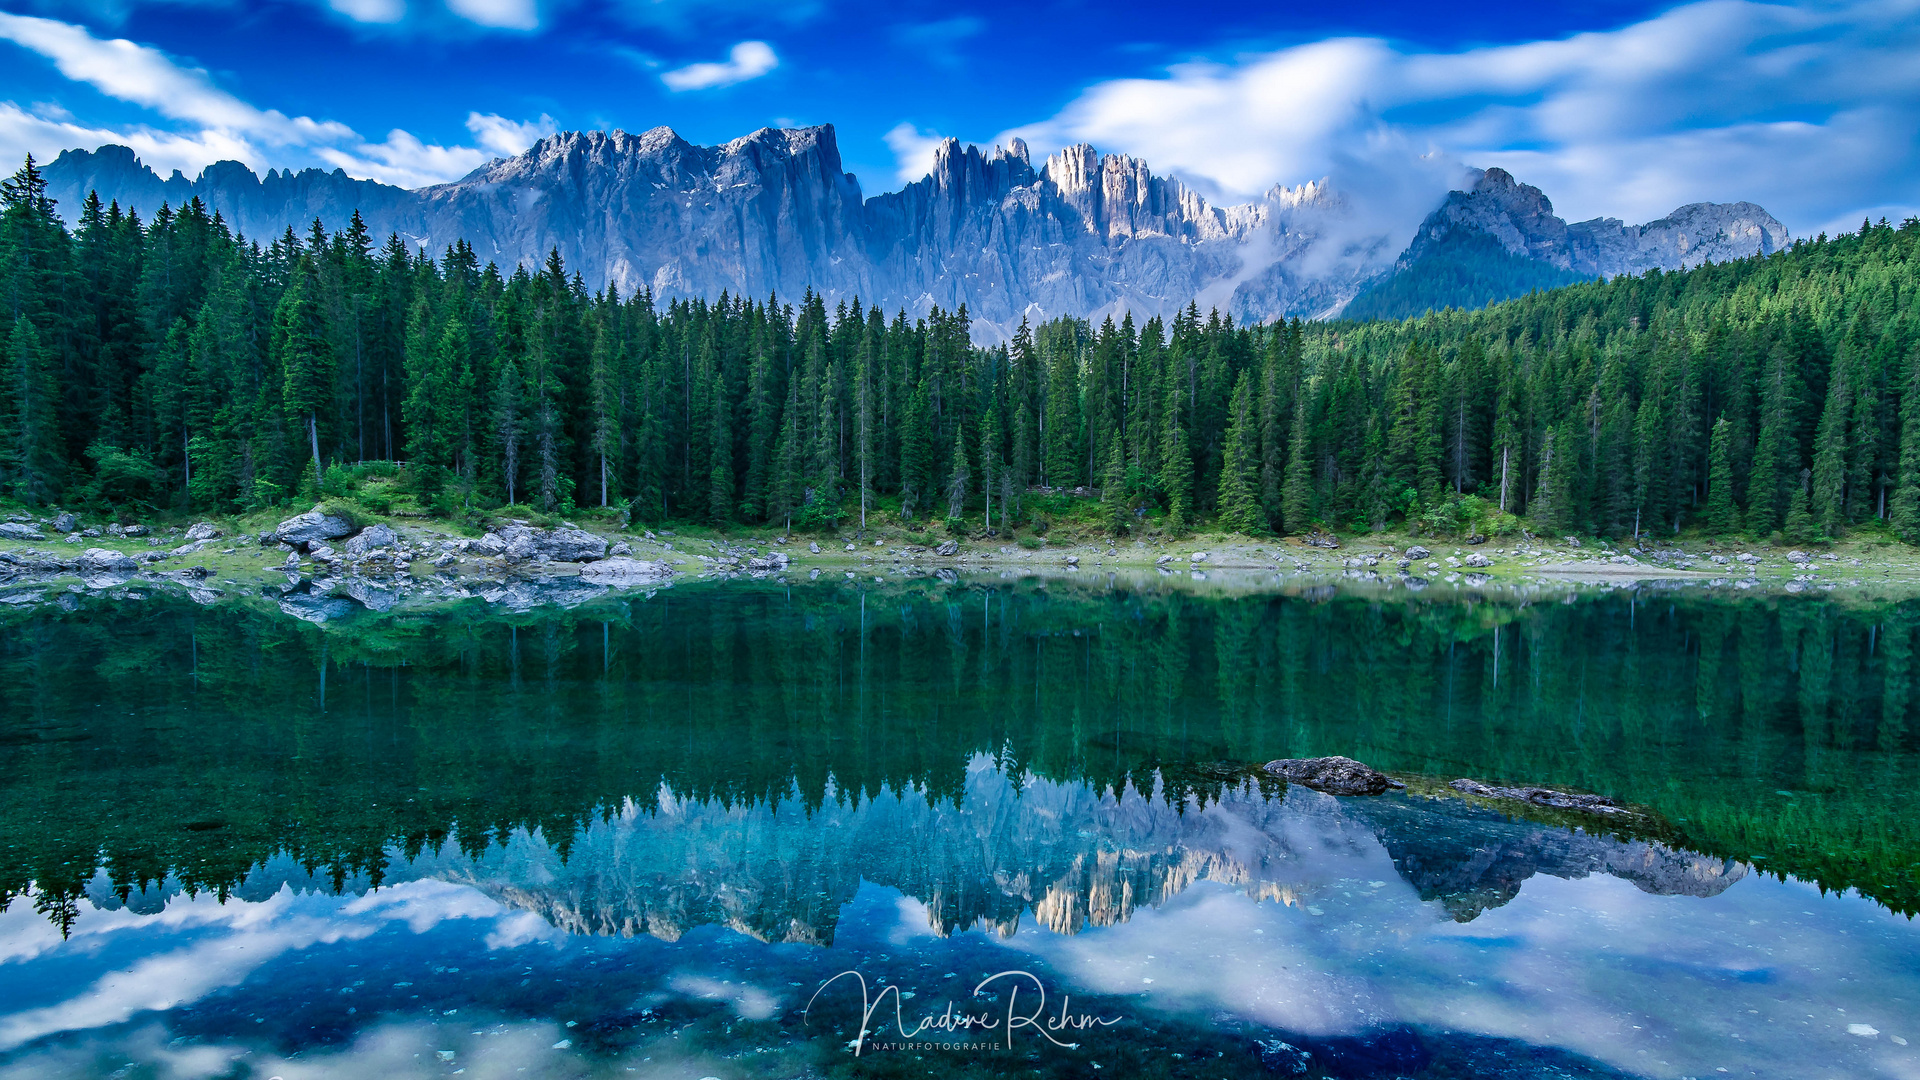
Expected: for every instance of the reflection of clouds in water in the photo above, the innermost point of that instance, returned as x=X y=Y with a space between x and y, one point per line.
x=524 y=1051
x=749 y=1001
x=1766 y=977
x=200 y=945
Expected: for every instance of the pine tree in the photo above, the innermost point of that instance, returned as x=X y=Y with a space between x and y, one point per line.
x=916 y=457
x=1904 y=512
x=303 y=354
x=30 y=458
x=509 y=423
x=1829 y=478
x=1239 y=470
x=1722 y=516
x=1114 y=495
x=1297 y=498
x=720 y=486
x=959 y=478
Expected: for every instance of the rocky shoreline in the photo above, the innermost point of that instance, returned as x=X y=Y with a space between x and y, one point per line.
x=321 y=565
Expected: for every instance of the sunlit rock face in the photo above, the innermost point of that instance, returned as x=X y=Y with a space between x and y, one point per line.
x=775 y=212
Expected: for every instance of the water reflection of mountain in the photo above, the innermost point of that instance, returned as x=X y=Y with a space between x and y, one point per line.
x=168 y=740
x=1060 y=854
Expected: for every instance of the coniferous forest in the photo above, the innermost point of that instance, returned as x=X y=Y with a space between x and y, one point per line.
x=172 y=365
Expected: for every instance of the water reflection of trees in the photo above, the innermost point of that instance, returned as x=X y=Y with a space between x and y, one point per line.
x=155 y=738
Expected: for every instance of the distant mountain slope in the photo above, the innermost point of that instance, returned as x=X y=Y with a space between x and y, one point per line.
x=1081 y=234
x=1501 y=239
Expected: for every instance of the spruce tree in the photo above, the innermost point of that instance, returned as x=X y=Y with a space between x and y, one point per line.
x=1296 y=505
x=30 y=457
x=1114 y=495
x=720 y=486
x=1239 y=499
x=1904 y=512
x=1829 y=478
x=1723 y=516
x=959 y=477
x=916 y=458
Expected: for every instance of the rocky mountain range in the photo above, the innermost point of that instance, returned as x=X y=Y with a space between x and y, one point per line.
x=1520 y=218
x=1080 y=234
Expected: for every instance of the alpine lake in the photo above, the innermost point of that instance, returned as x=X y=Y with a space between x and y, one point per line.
x=960 y=827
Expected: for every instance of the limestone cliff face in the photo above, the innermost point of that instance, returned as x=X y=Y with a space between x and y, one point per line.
x=769 y=211
x=775 y=211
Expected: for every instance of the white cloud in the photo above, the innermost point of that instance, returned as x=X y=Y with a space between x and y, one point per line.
x=24 y=132
x=498 y=14
x=371 y=11
x=747 y=60
x=913 y=150
x=505 y=137
x=145 y=76
x=1813 y=111
x=220 y=126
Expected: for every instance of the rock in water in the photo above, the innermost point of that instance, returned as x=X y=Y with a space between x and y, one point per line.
x=1539 y=796
x=369 y=538
x=13 y=531
x=1285 y=1058
x=772 y=561
x=315 y=524
x=1418 y=552
x=1333 y=775
x=948 y=547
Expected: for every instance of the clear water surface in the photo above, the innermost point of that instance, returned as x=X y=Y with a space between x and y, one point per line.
x=644 y=835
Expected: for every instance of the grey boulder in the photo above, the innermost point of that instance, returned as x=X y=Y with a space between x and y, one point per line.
x=948 y=547
x=105 y=561
x=522 y=544
x=369 y=538
x=203 y=530
x=1418 y=552
x=314 y=525
x=10 y=530
x=1333 y=775
x=66 y=523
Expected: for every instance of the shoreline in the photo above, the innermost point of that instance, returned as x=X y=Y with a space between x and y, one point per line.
x=409 y=566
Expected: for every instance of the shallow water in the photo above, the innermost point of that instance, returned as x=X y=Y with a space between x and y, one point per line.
x=643 y=836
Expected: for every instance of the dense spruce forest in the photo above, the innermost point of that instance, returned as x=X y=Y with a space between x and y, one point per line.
x=171 y=365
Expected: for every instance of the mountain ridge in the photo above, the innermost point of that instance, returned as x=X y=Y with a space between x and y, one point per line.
x=775 y=211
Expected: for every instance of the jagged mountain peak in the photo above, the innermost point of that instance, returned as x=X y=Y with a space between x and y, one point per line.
x=1078 y=233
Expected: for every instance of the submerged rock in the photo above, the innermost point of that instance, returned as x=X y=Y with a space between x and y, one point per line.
x=1334 y=775
x=1539 y=796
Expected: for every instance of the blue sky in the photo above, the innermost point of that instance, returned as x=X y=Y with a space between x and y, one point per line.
x=1618 y=108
